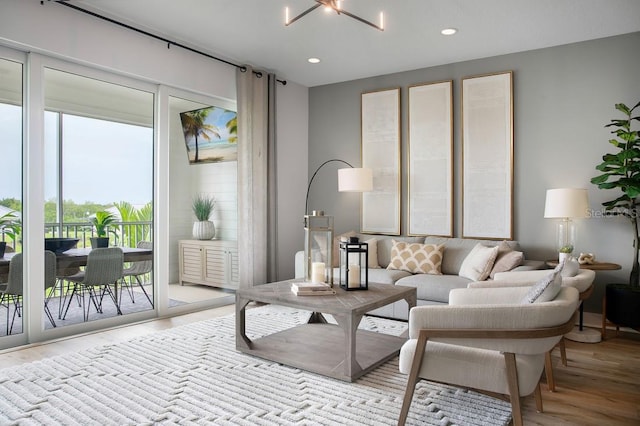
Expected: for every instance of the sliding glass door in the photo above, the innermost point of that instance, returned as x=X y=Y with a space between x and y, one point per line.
x=12 y=295
x=98 y=140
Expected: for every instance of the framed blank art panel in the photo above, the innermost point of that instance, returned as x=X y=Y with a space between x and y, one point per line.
x=487 y=156
x=430 y=159
x=380 y=133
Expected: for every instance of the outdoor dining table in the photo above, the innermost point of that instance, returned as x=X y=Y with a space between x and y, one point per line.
x=74 y=258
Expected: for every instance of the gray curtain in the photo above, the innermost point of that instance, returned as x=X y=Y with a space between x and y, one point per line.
x=257 y=196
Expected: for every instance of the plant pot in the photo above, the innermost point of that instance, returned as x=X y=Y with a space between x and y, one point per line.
x=3 y=246
x=204 y=230
x=623 y=305
x=99 y=242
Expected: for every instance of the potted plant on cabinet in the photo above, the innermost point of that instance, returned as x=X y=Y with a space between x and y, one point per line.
x=9 y=227
x=101 y=221
x=621 y=171
x=203 y=228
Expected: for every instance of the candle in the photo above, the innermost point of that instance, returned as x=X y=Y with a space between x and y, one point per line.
x=317 y=272
x=354 y=276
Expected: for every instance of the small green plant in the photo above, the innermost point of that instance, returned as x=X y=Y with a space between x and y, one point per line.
x=101 y=221
x=203 y=206
x=566 y=249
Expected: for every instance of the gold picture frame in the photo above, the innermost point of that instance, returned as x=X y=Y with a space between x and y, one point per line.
x=380 y=151
x=487 y=156
x=430 y=159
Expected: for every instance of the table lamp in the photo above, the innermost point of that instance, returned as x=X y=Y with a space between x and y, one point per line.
x=566 y=204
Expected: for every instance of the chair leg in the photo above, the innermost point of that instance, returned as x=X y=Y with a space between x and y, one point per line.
x=413 y=378
x=548 y=369
x=514 y=390
x=73 y=293
x=563 y=352
x=538 y=397
x=143 y=290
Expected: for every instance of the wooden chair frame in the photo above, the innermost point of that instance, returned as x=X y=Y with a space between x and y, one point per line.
x=510 y=360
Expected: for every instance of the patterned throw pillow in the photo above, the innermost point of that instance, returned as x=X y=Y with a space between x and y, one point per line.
x=416 y=258
x=546 y=289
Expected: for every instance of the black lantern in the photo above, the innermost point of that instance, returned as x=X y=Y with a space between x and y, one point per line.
x=354 y=258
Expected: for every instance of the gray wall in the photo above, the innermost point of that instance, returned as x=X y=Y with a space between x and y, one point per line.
x=563 y=97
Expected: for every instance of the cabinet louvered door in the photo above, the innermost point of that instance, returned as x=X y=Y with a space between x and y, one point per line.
x=191 y=263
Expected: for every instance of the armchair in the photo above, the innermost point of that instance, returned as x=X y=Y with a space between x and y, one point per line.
x=582 y=281
x=486 y=340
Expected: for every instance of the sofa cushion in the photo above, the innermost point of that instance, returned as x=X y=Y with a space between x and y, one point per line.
x=478 y=263
x=434 y=287
x=416 y=258
x=378 y=276
x=457 y=249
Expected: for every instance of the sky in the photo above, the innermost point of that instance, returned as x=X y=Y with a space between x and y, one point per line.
x=103 y=162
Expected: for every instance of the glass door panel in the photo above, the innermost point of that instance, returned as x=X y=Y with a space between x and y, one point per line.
x=11 y=271
x=99 y=194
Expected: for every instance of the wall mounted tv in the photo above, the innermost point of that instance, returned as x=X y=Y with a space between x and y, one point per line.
x=210 y=135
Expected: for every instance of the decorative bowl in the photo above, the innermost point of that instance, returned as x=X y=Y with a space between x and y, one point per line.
x=60 y=245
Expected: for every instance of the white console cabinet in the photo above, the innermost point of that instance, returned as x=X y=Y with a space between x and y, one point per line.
x=209 y=262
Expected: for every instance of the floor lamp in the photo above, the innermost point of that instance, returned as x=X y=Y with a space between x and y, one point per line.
x=318 y=228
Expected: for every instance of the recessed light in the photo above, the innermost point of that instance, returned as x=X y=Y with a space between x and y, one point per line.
x=449 y=31
x=313 y=60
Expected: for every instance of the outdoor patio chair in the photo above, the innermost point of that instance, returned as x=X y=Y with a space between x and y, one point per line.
x=137 y=270
x=13 y=292
x=104 y=269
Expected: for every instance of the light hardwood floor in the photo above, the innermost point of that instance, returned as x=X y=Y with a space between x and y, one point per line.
x=599 y=386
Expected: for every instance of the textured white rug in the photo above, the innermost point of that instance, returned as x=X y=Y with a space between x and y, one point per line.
x=193 y=375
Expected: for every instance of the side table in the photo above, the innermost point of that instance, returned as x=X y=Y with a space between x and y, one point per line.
x=581 y=334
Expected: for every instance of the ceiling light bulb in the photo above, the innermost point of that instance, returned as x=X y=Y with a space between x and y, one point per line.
x=382 y=20
x=313 y=60
x=449 y=31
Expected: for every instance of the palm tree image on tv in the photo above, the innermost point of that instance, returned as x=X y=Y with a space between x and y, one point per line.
x=210 y=134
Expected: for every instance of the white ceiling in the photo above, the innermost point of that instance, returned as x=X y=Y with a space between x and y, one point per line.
x=252 y=31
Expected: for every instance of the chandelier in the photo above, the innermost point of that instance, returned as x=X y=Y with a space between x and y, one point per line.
x=336 y=6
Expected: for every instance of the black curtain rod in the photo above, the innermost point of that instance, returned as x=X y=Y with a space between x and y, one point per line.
x=169 y=42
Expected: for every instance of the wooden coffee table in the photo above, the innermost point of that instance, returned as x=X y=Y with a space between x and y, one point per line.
x=339 y=351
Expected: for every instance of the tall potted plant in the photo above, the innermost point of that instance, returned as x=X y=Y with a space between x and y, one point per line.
x=203 y=228
x=621 y=171
x=101 y=221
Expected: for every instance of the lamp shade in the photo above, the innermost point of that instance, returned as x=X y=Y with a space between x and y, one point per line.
x=355 y=180
x=566 y=203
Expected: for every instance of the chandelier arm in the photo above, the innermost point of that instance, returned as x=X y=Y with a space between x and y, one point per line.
x=364 y=21
x=306 y=203
x=311 y=9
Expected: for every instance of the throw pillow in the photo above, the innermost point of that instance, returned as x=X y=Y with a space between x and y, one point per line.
x=506 y=262
x=546 y=289
x=416 y=258
x=373 y=253
x=478 y=263
x=336 y=247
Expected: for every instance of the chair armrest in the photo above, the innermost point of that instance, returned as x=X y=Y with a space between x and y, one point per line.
x=581 y=281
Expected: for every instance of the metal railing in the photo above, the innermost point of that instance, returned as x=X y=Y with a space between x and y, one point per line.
x=121 y=234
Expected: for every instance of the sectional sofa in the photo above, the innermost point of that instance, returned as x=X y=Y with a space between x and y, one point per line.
x=431 y=288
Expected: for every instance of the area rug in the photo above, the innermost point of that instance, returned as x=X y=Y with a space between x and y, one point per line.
x=193 y=375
